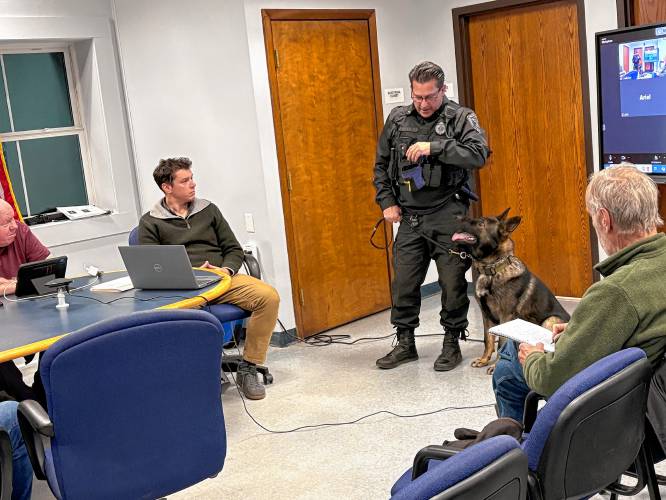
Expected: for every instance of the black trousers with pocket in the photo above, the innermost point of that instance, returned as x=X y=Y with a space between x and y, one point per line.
x=412 y=254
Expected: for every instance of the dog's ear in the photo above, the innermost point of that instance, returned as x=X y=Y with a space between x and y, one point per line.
x=503 y=215
x=511 y=224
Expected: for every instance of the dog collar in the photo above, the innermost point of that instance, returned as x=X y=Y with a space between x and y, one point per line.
x=496 y=267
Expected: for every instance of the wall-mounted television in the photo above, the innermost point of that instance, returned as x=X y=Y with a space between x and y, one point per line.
x=631 y=80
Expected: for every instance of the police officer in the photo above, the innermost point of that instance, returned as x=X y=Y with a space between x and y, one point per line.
x=424 y=157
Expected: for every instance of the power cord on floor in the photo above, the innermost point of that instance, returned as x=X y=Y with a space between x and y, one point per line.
x=325 y=339
x=350 y=422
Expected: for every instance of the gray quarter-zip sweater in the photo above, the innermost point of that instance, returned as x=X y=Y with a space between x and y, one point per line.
x=204 y=232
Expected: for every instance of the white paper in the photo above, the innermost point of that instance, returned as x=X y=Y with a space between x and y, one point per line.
x=392 y=96
x=118 y=285
x=81 y=211
x=524 y=331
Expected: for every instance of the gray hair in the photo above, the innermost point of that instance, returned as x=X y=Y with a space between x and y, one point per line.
x=425 y=71
x=629 y=195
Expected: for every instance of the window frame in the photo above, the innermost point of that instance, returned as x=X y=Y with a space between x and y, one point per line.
x=96 y=63
x=79 y=129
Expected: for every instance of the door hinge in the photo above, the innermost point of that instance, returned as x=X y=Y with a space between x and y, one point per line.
x=300 y=290
x=289 y=188
x=277 y=59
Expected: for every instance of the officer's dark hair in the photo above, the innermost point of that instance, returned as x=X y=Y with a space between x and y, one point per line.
x=425 y=71
x=166 y=169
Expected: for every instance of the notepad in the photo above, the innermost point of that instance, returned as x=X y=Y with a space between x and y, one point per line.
x=118 y=285
x=524 y=331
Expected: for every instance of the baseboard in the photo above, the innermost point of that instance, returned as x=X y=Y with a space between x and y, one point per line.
x=282 y=339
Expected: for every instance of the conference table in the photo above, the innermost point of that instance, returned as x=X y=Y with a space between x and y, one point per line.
x=28 y=326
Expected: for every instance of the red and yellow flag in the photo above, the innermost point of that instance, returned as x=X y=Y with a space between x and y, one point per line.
x=6 y=191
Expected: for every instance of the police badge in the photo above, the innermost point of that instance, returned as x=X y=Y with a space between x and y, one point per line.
x=440 y=128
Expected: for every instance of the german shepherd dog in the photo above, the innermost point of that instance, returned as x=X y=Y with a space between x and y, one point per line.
x=505 y=289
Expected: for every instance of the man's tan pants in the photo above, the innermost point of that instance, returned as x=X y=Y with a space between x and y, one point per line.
x=262 y=300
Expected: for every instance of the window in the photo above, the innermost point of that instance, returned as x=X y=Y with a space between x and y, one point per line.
x=41 y=130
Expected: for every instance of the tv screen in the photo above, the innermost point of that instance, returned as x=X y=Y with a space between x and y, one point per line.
x=631 y=79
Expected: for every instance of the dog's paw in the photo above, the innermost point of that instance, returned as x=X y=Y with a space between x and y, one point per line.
x=480 y=362
x=491 y=369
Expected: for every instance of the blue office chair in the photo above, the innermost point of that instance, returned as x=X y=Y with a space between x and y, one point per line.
x=493 y=469
x=232 y=319
x=135 y=408
x=589 y=432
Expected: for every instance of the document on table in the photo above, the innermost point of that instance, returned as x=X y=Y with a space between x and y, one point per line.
x=118 y=285
x=524 y=331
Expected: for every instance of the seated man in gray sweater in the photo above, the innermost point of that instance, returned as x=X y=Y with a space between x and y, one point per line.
x=180 y=218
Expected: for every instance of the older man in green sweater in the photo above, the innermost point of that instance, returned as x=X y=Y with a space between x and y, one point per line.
x=625 y=309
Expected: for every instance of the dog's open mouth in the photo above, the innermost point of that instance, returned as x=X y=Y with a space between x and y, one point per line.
x=463 y=238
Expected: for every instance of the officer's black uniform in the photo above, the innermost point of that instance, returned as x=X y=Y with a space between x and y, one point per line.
x=457 y=146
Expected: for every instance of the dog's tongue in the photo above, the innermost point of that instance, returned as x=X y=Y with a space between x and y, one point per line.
x=461 y=237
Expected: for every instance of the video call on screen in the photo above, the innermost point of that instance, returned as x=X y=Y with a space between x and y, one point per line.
x=632 y=71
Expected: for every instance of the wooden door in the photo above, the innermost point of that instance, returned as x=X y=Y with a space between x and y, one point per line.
x=327 y=113
x=527 y=91
x=649 y=12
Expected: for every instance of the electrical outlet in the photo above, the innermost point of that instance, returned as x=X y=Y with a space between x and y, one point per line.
x=249 y=223
x=251 y=248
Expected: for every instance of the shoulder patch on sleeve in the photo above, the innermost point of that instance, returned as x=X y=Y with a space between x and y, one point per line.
x=474 y=121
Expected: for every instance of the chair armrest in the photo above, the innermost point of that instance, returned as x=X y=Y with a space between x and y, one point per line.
x=433 y=451
x=530 y=410
x=36 y=428
x=252 y=265
x=5 y=466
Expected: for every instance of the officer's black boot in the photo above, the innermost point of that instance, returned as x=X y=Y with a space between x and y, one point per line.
x=451 y=355
x=403 y=352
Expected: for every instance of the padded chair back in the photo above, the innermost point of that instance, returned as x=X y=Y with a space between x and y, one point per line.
x=136 y=406
x=591 y=429
x=495 y=469
x=133 y=238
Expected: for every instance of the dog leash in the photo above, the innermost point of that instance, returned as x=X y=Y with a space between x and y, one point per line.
x=462 y=255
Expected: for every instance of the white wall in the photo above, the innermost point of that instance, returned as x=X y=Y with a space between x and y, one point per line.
x=407 y=33
x=195 y=81
x=403 y=39
x=87 y=26
x=198 y=87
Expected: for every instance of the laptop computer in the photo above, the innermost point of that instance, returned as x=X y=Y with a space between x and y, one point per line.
x=162 y=267
x=32 y=276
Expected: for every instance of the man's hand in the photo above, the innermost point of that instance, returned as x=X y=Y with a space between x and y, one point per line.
x=7 y=286
x=208 y=265
x=558 y=329
x=527 y=349
x=393 y=213
x=416 y=150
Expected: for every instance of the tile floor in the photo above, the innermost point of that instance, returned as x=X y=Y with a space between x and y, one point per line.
x=337 y=384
